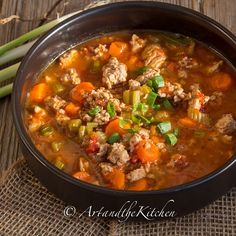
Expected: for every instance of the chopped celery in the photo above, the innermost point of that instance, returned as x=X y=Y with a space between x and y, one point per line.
x=82 y=130
x=111 y=109
x=56 y=146
x=151 y=98
x=58 y=163
x=114 y=138
x=74 y=124
x=126 y=97
x=46 y=130
x=164 y=127
x=167 y=104
x=94 y=111
x=145 y=89
x=171 y=139
x=58 y=88
x=135 y=97
x=90 y=126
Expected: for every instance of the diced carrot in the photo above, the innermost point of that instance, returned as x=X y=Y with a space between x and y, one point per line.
x=187 y=122
x=117 y=48
x=139 y=185
x=82 y=175
x=221 y=81
x=133 y=63
x=116 y=178
x=71 y=109
x=39 y=92
x=147 y=151
x=77 y=92
x=155 y=139
x=113 y=126
x=153 y=130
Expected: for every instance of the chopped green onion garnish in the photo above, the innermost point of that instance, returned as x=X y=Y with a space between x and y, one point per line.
x=158 y=82
x=114 y=138
x=46 y=130
x=176 y=132
x=74 y=124
x=164 y=127
x=144 y=119
x=56 y=146
x=94 y=111
x=156 y=107
x=151 y=98
x=135 y=119
x=142 y=107
x=171 y=139
x=141 y=70
x=167 y=104
x=149 y=83
x=126 y=97
x=111 y=109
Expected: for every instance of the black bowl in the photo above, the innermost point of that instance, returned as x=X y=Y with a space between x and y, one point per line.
x=166 y=203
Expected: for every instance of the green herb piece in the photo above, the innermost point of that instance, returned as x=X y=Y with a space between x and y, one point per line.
x=144 y=119
x=176 y=132
x=151 y=98
x=141 y=70
x=111 y=109
x=74 y=124
x=46 y=130
x=94 y=111
x=167 y=104
x=158 y=82
x=145 y=89
x=171 y=139
x=82 y=130
x=164 y=127
x=114 y=138
x=149 y=83
x=126 y=97
x=56 y=146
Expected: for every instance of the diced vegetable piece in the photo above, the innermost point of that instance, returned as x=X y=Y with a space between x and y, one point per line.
x=116 y=178
x=90 y=126
x=58 y=88
x=82 y=175
x=171 y=139
x=111 y=109
x=176 y=132
x=187 y=122
x=79 y=90
x=162 y=116
x=164 y=127
x=59 y=163
x=117 y=48
x=141 y=70
x=142 y=107
x=82 y=130
x=221 y=81
x=147 y=151
x=56 y=146
x=94 y=111
x=39 y=92
x=133 y=62
x=114 y=138
x=156 y=107
x=101 y=136
x=198 y=116
x=135 y=97
x=118 y=125
x=73 y=125
x=96 y=66
x=139 y=185
x=151 y=98
x=167 y=104
x=145 y=89
x=46 y=130
x=158 y=82
x=71 y=109
x=144 y=119
x=135 y=119
x=126 y=97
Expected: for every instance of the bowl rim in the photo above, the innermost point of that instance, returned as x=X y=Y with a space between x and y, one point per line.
x=26 y=140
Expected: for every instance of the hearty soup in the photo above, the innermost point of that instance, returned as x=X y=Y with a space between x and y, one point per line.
x=135 y=111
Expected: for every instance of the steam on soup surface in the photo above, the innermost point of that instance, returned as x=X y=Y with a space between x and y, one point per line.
x=140 y=111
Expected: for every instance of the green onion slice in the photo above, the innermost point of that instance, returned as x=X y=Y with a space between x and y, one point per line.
x=111 y=109
x=94 y=111
x=164 y=127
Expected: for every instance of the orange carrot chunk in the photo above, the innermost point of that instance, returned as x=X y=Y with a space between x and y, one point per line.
x=114 y=127
x=221 y=81
x=71 y=109
x=117 y=48
x=187 y=122
x=82 y=175
x=147 y=151
x=139 y=185
x=116 y=178
x=39 y=92
x=79 y=90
